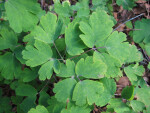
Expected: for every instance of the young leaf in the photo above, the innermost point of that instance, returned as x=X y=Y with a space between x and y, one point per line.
x=49 y=28
x=99 y=28
x=89 y=68
x=87 y=91
x=67 y=70
x=38 y=109
x=132 y=71
x=39 y=55
x=73 y=42
x=64 y=90
x=128 y=93
x=8 y=39
x=23 y=15
x=113 y=65
x=26 y=90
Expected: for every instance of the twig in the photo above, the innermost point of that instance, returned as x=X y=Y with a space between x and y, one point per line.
x=43 y=87
x=127 y=21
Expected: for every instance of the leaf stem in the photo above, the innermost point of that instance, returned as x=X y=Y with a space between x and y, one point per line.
x=86 y=52
x=59 y=53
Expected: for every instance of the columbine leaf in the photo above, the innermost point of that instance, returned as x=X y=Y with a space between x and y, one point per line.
x=142 y=34
x=26 y=90
x=38 y=109
x=62 y=9
x=118 y=106
x=109 y=91
x=137 y=105
x=76 y=109
x=99 y=28
x=82 y=8
x=89 y=68
x=116 y=46
x=8 y=39
x=127 y=4
x=74 y=44
x=134 y=54
x=113 y=65
x=64 y=89
x=9 y=66
x=49 y=28
x=37 y=56
x=132 y=71
x=46 y=70
x=55 y=106
x=22 y=14
x=87 y=91
x=128 y=93
x=67 y=70
x=28 y=103
x=143 y=95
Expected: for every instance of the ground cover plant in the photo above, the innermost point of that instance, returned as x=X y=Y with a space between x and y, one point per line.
x=85 y=56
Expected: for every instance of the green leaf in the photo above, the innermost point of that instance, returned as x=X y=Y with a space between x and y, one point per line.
x=39 y=55
x=128 y=93
x=76 y=109
x=46 y=70
x=142 y=34
x=116 y=46
x=8 y=39
x=127 y=4
x=89 y=68
x=99 y=28
x=5 y=106
x=109 y=91
x=134 y=54
x=74 y=44
x=67 y=70
x=38 y=109
x=87 y=91
x=132 y=71
x=49 y=28
x=43 y=98
x=28 y=75
x=82 y=8
x=9 y=66
x=143 y=95
x=23 y=15
x=137 y=105
x=28 y=103
x=64 y=90
x=113 y=65
x=55 y=106
x=63 y=9
x=118 y=106
x=26 y=90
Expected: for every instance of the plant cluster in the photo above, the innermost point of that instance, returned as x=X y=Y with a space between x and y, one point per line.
x=68 y=59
